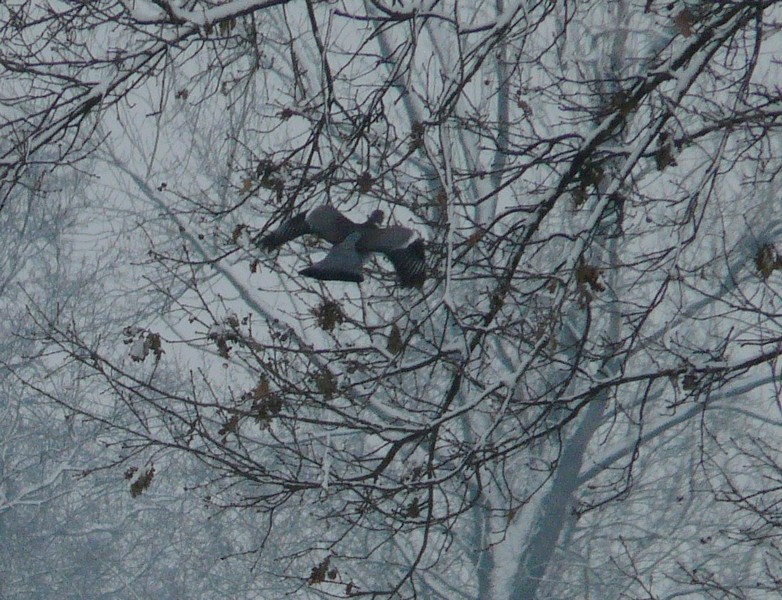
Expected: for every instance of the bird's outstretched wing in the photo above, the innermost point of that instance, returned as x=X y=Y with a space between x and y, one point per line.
x=342 y=263
x=409 y=263
x=403 y=247
x=288 y=230
x=325 y=221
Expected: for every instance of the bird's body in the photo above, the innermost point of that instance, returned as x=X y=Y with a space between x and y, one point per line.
x=352 y=243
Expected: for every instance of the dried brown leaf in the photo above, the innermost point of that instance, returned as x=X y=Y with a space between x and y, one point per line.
x=413 y=509
x=329 y=315
x=365 y=182
x=589 y=275
x=395 y=344
x=684 y=22
x=767 y=260
x=326 y=384
x=142 y=483
x=230 y=426
x=319 y=571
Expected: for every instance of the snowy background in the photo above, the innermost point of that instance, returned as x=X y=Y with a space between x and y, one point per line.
x=581 y=401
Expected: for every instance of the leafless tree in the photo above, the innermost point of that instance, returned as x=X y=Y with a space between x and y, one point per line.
x=581 y=401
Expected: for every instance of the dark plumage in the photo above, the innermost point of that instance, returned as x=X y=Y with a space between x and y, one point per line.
x=409 y=263
x=352 y=243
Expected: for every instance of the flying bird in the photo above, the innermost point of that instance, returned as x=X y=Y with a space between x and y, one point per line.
x=352 y=244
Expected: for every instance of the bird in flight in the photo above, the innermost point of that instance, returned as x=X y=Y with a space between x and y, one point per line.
x=352 y=244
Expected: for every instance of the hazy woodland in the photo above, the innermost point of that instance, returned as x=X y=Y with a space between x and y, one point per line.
x=581 y=401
